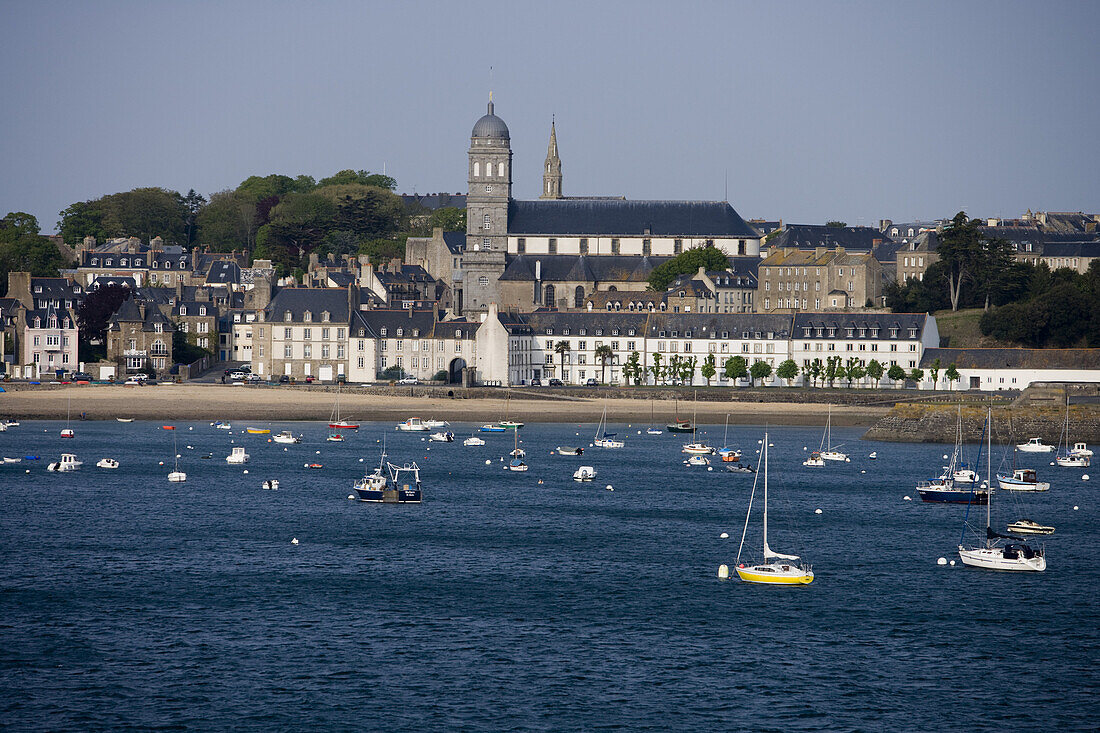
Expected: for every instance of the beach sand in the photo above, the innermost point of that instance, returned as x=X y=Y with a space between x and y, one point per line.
x=225 y=402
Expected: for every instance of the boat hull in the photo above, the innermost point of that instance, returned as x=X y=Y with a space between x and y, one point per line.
x=997 y=558
x=1018 y=528
x=953 y=496
x=1010 y=485
x=389 y=496
x=775 y=574
x=680 y=428
x=342 y=426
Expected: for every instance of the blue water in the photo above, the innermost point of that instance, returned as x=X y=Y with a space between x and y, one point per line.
x=501 y=604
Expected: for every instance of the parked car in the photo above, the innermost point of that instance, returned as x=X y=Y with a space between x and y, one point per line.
x=253 y=378
x=592 y=382
x=139 y=377
x=81 y=377
x=284 y=379
x=536 y=382
x=237 y=376
x=555 y=382
x=309 y=379
x=408 y=380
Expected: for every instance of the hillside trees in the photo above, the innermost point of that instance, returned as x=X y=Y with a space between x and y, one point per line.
x=24 y=249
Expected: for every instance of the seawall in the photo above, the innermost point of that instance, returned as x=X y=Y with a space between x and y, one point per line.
x=915 y=423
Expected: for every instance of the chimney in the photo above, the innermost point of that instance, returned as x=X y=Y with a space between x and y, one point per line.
x=702 y=272
x=353 y=298
x=314 y=262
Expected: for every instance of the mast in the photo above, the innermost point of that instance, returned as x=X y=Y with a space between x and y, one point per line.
x=765 y=453
x=988 y=463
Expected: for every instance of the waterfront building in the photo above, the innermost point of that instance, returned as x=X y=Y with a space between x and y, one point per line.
x=139 y=338
x=792 y=280
x=390 y=344
x=889 y=338
x=302 y=333
x=990 y=370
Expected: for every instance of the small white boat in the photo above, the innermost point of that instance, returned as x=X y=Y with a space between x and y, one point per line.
x=67 y=463
x=177 y=477
x=473 y=440
x=568 y=450
x=335 y=438
x=654 y=431
x=1026 y=526
x=15 y=424
x=124 y=419
x=873 y=455
x=518 y=453
x=12 y=460
x=697 y=449
x=834 y=455
x=68 y=433
x=1022 y=479
x=814 y=461
x=287 y=437
x=1034 y=445
x=271 y=485
x=584 y=473
x=107 y=463
x=697 y=460
x=966 y=475
x=1071 y=460
x=413 y=425
x=238 y=455
x=442 y=437
x=436 y=424
x=1079 y=449
x=517 y=464
x=221 y=425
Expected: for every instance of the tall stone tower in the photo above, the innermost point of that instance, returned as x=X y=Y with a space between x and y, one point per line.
x=551 y=175
x=489 y=181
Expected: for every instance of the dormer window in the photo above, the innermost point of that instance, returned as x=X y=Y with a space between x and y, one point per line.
x=805 y=332
x=53 y=321
x=307 y=316
x=37 y=322
x=584 y=332
x=614 y=332
x=95 y=261
x=288 y=316
x=325 y=316
x=565 y=332
x=675 y=334
x=660 y=334
x=862 y=332
x=122 y=262
x=549 y=332
x=893 y=333
x=832 y=332
x=183 y=310
x=599 y=332
x=158 y=327
x=630 y=332
x=167 y=265
x=183 y=263
x=687 y=334
x=362 y=332
x=383 y=332
x=202 y=310
x=38 y=288
x=849 y=331
x=912 y=333
x=400 y=332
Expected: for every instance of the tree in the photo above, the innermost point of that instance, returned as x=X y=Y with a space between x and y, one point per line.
x=94 y=314
x=193 y=202
x=855 y=371
x=227 y=222
x=917 y=375
x=841 y=371
x=687 y=370
x=836 y=224
x=708 y=369
x=364 y=178
x=736 y=368
x=23 y=249
x=896 y=373
x=603 y=352
x=832 y=369
x=655 y=369
x=672 y=371
x=952 y=374
x=960 y=252
x=632 y=370
x=449 y=219
x=143 y=213
x=562 y=348
x=787 y=370
x=817 y=371
x=875 y=370
x=440 y=376
x=392 y=373
x=934 y=372
x=761 y=370
x=689 y=261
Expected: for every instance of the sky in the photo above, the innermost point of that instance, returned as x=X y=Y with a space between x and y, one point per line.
x=801 y=111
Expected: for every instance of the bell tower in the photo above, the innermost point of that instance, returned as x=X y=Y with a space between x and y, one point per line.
x=489 y=181
x=551 y=174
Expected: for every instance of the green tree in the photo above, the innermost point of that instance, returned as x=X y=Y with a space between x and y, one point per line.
x=934 y=372
x=841 y=372
x=855 y=371
x=917 y=375
x=952 y=374
x=632 y=370
x=760 y=371
x=80 y=220
x=875 y=370
x=687 y=370
x=449 y=219
x=23 y=249
x=896 y=373
x=708 y=369
x=562 y=348
x=227 y=222
x=193 y=203
x=364 y=178
x=736 y=368
x=603 y=352
x=817 y=371
x=689 y=261
x=836 y=224
x=143 y=213
x=672 y=371
x=656 y=369
x=832 y=369
x=787 y=370
x=961 y=250
x=392 y=373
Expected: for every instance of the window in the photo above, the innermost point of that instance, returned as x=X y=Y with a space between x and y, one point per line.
x=287 y=316
x=477 y=169
x=677 y=246
x=307 y=317
x=488 y=188
x=287 y=351
x=307 y=351
x=553 y=246
x=360 y=362
x=647 y=247
x=486 y=222
x=614 y=246
x=307 y=333
x=483 y=281
x=398 y=344
x=521 y=245
x=500 y=169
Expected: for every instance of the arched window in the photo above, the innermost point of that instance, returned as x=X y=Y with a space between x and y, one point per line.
x=549 y=296
x=307 y=316
x=477 y=169
x=578 y=297
x=500 y=169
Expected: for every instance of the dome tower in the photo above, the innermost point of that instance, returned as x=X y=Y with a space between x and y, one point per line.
x=489 y=189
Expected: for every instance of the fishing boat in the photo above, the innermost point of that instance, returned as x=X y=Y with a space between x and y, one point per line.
x=256 y=431
x=1022 y=479
x=603 y=438
x=220 y=425
x=447 y=437
x=814 y=460
x=828 y=451
x=107 y=463
x=517 y=464
x=492 y=428
x=777 y=568
x=413 y=425
x=1026 y=526
x=385 y=484
x=1034 y=445
x=67 y=463
x=436 y=424
x=510 y=424
x=237 y=456
x=584 y=473
x=697 y=460
x=473 y=440
x=1065 y=456
x=697 y=449
x=727 y=454
x=1080 y=449
x=568 y=450
x=335 y=421
x=999 y=551
x=944 y=489
x=287 y=437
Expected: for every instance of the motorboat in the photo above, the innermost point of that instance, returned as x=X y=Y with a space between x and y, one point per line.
x=258 y=431
x=1022 y=479
x=1079 y=449
x=221 y=425
x=510 y=424
x=68 y=433
x=492 y=428
x=314 y=466
x=271 y=485
x=654 y=431
x=680 y=426
x=12 y=460
x=697 y=460
x=1026 y=526
x=473 y=440
x=413 y=425
x=124 y=419
x=1034 y=445
x=966 y=475
x=814 y=461
x=334 y=437
x=107 y=463
x=67 y=463
x=287 y=437
x=740 y=468
x=584 y=473
x=1072 y=460
x=385 y=484
x=436 y=424
x=698 y=449
x=177 y=477
x=568 y=450
x=237 y=456
x=15 y=423
x=873 y=455
x=729 y=455
x=442 y=437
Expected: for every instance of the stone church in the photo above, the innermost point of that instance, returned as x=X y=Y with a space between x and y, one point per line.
x=554 y=251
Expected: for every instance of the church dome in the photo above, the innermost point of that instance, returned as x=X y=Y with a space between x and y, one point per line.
x=490 y=126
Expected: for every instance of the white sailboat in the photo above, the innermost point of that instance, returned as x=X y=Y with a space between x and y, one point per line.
x=998 y=551
x=176 y=476
x=652 y=429
x=828 y=451
x=1070 y=457
x=696 y=448
x=517 y=463
x=777 y=568
x=67 y=432
x=604 y=439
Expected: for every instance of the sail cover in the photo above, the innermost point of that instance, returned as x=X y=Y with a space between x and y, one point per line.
x=770 y=554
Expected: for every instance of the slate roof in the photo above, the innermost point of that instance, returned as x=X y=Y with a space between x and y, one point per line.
x=412 y=324
x=193 y=307
x=55 y=288
x=223 y=272
x=104 y=280
x=408 y=274
x=1013 y=358
x=614 y=217
x=455 y=241
x=572 y=324
x=314 y=300
x=563 y=268
x=713 y=325
x=1071 y=249
x=44 y=314
x=129 y=312
x=869 y=321
x=819 y=235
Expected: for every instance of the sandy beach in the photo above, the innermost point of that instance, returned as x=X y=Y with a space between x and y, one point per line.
x=259 y=403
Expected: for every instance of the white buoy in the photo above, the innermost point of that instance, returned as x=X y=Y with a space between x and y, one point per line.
x=639 y=432
x=161 y=463
x=1085 y=477
x=945 y=456
x=941 y=561
x=724 y=536
x=609 y=488
x=817 y=511
x=351 y=496
x=285 y=450
x=710 y=468
x=1075 y=507
x=908 y=498
x=190 y=428
x=847 y=460
x=246 y=470
x=862 y=471
x=803 y=447
x=488 y=462
x=294 y=541
x=305 y=465
x=28 y=470
x=1052 y=463
x=178 y=456
x=723 y=572
x=952 y=563
x=318 y=452
x=771 y=445
x=360 y=460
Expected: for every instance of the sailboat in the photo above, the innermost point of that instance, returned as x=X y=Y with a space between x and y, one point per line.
x=517 y=464
x=335 y=421
x=828 y=451
x=176 y=476
x=678 y=425
x=696 y=448
x=777 y=568
x=727 y=454
x=1066 y=456
x=999 y=551
x=506 y=423
x=68 y=432
x=652 y=429
x=945 y=489
x=604 y=439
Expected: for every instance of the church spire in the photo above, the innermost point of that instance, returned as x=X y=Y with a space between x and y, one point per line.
x=551 y=176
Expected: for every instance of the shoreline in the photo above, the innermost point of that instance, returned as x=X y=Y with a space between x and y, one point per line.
x=227 y=402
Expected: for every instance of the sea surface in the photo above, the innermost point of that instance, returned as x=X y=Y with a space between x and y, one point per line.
x=502 y=603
